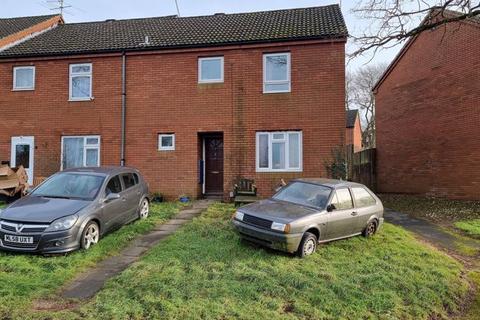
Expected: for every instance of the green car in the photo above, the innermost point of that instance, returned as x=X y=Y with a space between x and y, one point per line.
x=307 y=212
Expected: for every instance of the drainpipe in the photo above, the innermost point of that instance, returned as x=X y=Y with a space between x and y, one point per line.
x=124 y=108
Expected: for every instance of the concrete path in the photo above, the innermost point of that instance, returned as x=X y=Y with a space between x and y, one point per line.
x=431 y=232
x=86 y=285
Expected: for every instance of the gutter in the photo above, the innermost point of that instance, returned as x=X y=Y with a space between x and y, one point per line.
x=124 y=109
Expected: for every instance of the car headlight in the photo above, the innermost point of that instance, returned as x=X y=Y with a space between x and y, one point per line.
x=280 y=227
x=62 y=224
x=239 y=215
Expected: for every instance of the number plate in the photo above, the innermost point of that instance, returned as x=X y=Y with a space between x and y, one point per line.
x=18 y=239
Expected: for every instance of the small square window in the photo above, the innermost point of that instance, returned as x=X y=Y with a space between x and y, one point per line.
x=24 y=78
x=210 y=70
x=166 y=141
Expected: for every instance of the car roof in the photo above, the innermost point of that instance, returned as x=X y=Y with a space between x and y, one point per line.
x=332 y=183
x=105 y=170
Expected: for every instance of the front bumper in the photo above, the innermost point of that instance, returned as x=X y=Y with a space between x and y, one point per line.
x=44 y=243
x=271 y=239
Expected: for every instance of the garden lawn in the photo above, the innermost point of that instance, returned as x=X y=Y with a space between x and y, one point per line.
x=470 y=227
x=204 y=271
x=26 y=277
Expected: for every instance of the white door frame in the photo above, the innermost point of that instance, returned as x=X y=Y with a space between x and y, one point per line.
x=29 y=140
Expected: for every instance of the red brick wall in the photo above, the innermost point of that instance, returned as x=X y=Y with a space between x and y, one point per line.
x=428 y=115
x=27 y=32
x=163 y=96
x=354 y=136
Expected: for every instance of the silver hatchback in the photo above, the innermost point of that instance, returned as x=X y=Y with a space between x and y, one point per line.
x=73 y=209
x=310 y=211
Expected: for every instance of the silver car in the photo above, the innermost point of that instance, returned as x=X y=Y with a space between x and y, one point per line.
x=310 y=211
x=73 y=209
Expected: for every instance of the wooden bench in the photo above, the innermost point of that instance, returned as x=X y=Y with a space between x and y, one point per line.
x=245 y=191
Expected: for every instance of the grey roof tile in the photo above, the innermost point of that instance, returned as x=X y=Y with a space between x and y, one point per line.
x=9 y=26
x=173 y=32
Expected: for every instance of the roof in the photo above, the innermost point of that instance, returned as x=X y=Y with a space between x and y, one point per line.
x=475 y=20
x=324 y=22
x=351 y=117
x=331 y=183
x=9 y=26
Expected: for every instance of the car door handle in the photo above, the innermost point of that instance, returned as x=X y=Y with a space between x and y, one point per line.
x=354 y=213
x=124 y=198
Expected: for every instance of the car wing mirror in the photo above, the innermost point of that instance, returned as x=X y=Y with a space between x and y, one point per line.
x=331 y=207
x=111 y=197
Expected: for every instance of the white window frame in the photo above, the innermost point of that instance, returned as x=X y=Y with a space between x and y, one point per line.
x=85 y=148
x=15 y=88
x=286 y=140
x=289 y=72
x=83 y=74
x=162 y=148
x=200 y=60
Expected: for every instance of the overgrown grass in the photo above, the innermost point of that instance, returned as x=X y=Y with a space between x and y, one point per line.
x=470 y=227
x=204 y=271
x=434 y=209
x=26 y=277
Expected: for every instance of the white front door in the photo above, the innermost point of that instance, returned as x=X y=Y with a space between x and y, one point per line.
x=22 y=154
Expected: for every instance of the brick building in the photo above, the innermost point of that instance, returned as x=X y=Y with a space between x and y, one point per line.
x=200 y=101
x=353 y=134
x=428 y=114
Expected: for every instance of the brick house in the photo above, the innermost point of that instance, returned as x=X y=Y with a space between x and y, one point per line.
x=428 y=114
x=16 y=30
x=353 y=134
x=195 y=103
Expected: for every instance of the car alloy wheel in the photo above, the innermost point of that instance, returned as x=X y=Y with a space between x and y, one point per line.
x=91 y=235
x=308 y=245
x=144 y=209
x=370 y=229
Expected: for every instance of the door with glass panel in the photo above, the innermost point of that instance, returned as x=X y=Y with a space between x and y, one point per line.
x=22 y=154
x=80 y=151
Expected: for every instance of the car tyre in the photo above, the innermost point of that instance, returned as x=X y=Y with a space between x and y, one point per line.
x=370 y=229
x=308 y=245
x=144 y=209
x=90 y=235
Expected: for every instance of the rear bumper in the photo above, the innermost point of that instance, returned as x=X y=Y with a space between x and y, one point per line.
x=44 y=243
x=270 y=239
x=380 y=222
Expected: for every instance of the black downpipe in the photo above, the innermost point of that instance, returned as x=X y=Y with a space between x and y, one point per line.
x=124 y=108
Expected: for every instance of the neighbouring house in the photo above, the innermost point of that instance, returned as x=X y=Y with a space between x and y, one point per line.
x=16 y=30
x=428 y=114
x=195 y=103
x=353 y=135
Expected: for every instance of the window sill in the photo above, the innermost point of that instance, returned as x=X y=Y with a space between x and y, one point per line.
x=25 y=89
x=273 y=92
x=211 y=82
x=280 y=170
x=81 y=100
x=160 y=150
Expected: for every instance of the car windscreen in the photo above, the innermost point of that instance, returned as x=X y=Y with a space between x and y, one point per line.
x=70 y=185
x=306 y=194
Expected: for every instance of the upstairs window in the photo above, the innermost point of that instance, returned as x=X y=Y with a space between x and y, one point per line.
x=276 y=73
x=279 y=151
x=24 y=78
x=81 y=82
x=210 y=70
x=166 y=142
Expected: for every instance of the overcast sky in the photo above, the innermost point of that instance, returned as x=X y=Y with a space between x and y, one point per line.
x=94 y=10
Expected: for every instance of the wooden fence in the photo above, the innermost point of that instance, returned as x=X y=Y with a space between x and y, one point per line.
x=361 y=167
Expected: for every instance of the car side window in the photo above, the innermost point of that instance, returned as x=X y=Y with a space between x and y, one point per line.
x=342 y=200
x=113 y=186
x=135 y=177
x=362 y=197
x=128 y=180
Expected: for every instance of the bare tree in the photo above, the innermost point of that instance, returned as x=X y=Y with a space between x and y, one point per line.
x=391 y=22
x=360 y=96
